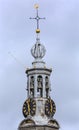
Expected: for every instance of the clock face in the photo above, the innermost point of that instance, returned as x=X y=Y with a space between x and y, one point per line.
x=26 y=108
x=50 y=108
x=32 y=107
x=29 y=107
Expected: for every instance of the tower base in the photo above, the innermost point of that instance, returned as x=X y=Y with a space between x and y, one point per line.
x=29 y=124
x=36 y=127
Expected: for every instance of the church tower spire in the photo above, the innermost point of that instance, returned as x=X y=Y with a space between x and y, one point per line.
x=38 y=109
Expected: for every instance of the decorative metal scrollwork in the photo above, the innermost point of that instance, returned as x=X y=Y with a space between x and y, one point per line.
x=38 y=51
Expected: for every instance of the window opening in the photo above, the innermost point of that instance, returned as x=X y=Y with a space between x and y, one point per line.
x=40 y=86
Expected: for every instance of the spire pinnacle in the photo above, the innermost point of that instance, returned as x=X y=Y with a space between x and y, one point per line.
x=38 y=50
x=37 y=18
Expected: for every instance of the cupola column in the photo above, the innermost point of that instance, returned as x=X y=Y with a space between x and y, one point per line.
x=48 y=86
x=44 y=91
x=29 y=86
x=35 y=86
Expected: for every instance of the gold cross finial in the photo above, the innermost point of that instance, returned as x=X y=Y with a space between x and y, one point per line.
x=37 y=18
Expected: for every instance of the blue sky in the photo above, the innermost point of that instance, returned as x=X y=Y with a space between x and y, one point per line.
x=60 y=35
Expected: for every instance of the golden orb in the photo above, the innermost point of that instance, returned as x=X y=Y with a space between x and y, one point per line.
x=37 y=30
x=36 y=6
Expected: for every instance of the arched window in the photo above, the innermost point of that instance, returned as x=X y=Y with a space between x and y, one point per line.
x=32 y=86
x=47 y=85
x=40 y=85
x=46 y=82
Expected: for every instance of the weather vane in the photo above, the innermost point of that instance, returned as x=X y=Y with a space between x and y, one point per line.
x=37 y=18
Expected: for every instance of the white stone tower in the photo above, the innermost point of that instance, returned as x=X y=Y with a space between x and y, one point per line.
x=39 y=108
